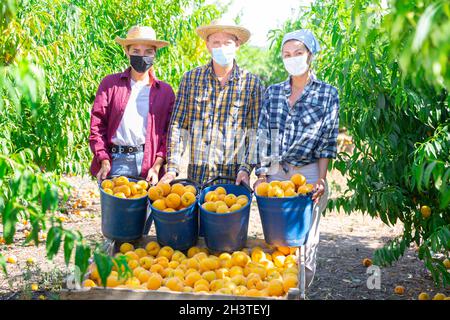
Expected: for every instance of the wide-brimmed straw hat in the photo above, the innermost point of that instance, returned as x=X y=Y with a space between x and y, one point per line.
x=138 y=34
x=227 y=26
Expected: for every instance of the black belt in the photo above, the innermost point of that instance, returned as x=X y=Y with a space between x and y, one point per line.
x=127 y=149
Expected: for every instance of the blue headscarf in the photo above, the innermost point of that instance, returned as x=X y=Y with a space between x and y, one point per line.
x=305 y=36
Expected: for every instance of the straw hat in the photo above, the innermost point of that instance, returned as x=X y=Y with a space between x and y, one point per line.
x=138 y=34
x=227 y=26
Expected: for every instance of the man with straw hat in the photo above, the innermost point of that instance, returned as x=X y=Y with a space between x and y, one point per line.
x=131 y=114
x=216 y=110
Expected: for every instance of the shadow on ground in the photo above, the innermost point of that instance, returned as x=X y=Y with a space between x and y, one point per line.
x=341 y=275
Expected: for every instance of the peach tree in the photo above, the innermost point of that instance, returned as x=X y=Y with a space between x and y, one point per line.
x=390 y=64
x=52 y=59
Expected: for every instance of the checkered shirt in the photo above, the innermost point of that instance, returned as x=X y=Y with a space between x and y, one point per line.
x=302 y=134
x=218 y=126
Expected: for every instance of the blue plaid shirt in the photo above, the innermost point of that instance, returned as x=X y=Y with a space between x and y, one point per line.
x=302 y=134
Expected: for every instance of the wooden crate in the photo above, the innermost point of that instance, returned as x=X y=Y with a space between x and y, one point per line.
x=100 y=293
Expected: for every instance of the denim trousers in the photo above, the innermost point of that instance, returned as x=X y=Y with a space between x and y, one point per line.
x=124 y=164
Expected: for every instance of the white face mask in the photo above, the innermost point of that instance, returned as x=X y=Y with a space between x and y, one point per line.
x=296 y=66
x=224 y=56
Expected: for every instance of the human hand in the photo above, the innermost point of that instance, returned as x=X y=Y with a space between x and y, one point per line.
x=260 y=180
x=104 y=170
x=319 y=188
x=168 y=177
x=242 y=177
x=152 y=176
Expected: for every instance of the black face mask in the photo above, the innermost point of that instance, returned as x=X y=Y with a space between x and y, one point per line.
x=141 y=63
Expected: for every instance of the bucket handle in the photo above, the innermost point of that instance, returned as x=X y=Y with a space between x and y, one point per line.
x=148 y=221
x=229 y=178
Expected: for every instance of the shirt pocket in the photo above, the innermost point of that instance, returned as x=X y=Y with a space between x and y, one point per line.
x=311 y=119
x=201 y=100
x=240 y=104
x=237 y=108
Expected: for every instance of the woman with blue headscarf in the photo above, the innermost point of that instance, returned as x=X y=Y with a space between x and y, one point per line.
x=298 y=128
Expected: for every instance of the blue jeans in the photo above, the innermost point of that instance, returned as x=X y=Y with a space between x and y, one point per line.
x=127 y=164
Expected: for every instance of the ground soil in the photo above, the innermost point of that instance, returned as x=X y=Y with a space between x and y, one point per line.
x=345 y=241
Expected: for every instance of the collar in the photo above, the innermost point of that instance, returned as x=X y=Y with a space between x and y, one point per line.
x=235 y=72
x=287 y=83
x=153 y=80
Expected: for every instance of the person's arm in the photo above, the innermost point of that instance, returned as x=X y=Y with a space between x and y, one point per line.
x=323 y=168
x=162 y=148
x=178 y=123
x=98 y=131
x=250 y=156
x=327 y=147
x=264 y=140
x=153 y=172
x=161 y=153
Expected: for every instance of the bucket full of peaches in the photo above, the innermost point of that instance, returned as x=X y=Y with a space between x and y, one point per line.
x=124 y=207
x=286 y=210
x=224 y=214
x=174 y=210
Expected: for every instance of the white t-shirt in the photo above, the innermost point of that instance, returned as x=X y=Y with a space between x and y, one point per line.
x=133 y=126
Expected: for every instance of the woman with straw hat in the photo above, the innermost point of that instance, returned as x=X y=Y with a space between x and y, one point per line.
x=131 y=113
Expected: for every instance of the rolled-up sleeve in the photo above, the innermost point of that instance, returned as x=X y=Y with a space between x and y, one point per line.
x=99 y=124
x=178 y=123
x=264 y=136
x=162 y=149
x=327 y=145
x=252 y=126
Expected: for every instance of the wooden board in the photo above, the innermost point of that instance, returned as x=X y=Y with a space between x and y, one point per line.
x=100 y=293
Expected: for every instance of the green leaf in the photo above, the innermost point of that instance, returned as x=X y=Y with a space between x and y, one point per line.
x=82 y=255
x=419 y=176
x=49 y=199
x=3 y=264
x=53 y=241
x=427 y=173
x=381 y=101
x=122 y=267
x=104 y=266
x=424 y=26
x=9 y=220
x=69 y=243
